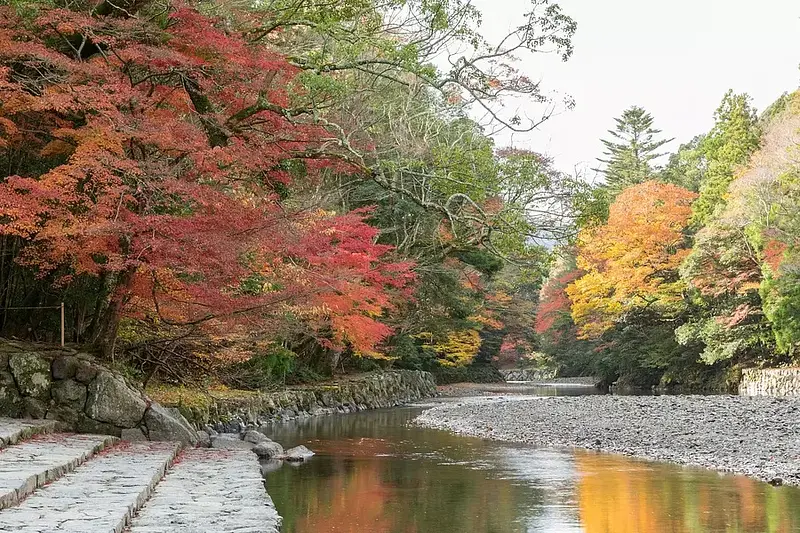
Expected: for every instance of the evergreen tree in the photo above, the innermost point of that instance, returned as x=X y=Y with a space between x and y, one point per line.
x=735 y=136
x=687 y=167
x=629 y=155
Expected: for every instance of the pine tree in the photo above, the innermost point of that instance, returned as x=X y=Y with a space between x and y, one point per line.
x=629 y=155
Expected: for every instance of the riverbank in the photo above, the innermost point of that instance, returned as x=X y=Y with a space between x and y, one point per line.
x=533 y=388
x=756 y=437
x=232 y=411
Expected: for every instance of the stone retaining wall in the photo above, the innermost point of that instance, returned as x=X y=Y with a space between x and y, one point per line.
x=372 y=391
x=770 y=382
x=38 y=381
x=529 y=374
x=43 y=382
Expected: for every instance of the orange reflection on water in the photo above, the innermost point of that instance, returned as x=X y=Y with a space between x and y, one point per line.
x=621 y=495
x=356 y=503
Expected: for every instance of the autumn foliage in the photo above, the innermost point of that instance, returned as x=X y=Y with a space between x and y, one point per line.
x=554 y=304
x=631 y=263
x=152 y=156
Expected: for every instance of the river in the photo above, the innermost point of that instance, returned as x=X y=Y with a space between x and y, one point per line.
x=375 y=473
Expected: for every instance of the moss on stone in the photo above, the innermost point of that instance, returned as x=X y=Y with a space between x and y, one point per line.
x=32 y=374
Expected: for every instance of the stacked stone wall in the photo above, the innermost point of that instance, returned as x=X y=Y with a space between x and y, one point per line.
x=377 y=390
x=41 y=382
x=770 y=382
x=529 y=374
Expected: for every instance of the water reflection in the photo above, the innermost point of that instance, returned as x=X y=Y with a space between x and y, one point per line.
x=618 y=495
x=373 y=473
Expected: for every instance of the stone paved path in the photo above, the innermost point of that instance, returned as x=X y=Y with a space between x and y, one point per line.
x=62 y=483
x=100 y=496
x=13 y=431
x=213 y=491
x=29 y=465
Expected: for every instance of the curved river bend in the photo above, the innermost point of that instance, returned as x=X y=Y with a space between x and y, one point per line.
x=374 y=473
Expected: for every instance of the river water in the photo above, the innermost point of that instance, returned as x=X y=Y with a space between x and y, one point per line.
x=375 y=473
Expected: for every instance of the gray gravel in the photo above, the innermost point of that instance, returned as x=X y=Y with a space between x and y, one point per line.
x=757 y=437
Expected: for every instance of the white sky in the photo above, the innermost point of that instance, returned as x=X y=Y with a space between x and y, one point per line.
x=675 y=58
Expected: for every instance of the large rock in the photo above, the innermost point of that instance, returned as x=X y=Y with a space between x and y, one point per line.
x=32 y=374
x=68 y=415
x=133 y=435
x=85 y=371
x=111 y=400
x=64 y=367
x=77 y=421
x=69 y=392
x=255 y=436
x=10 y=399
x=268 y=449
x=34 y=407
x=84 y=424
x=230 y=441
x=203 y=439
x=298 y=454
x=168 y=425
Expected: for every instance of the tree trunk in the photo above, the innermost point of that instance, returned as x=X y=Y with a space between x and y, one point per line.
x=106 y=333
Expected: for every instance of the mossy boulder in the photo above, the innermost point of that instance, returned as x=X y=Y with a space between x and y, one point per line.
x=10 y=399
x=70 y=393
x=169 y=425
x=34 y=407
x=111 y=400
x=31 y=371
x=64 y=367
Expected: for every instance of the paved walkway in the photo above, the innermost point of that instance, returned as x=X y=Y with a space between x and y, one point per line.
x=64 y=483
x=210 y=487
x=12 y=430
x=29 y=465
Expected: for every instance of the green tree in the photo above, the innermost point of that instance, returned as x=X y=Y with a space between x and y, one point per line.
x=687 y=167
x=629 y=155
x=736 y=134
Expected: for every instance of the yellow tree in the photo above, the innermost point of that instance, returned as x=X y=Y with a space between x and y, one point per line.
x=631 y=263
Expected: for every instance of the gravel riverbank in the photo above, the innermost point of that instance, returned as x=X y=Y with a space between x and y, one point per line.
x=757 y=437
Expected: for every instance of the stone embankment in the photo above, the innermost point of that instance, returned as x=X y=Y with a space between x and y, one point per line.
x=234 y=414
x=770 y=382
x=757 y=437
x=547 y=376
x=64 y=483
x=109 y=478
x=528 y=374
x=61 y=384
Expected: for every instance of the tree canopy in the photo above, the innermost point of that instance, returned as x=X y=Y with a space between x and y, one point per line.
x=683 y=288
x=205 y=183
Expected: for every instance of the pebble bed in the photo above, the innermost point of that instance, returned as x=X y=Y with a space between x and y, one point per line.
x=753 y=436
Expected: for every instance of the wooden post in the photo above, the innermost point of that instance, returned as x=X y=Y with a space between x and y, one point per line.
x=62 y=324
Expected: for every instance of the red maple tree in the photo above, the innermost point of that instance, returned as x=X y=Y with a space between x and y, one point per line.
x=155 y=159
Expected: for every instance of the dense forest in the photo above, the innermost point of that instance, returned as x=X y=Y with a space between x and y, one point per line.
x=262 y=190
x=683 y=274
x=283 y=190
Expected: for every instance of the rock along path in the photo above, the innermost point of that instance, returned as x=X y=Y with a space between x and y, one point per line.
x=757 y=437
x=63 y=483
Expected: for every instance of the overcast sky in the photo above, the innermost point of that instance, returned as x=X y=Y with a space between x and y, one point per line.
x=675 y=58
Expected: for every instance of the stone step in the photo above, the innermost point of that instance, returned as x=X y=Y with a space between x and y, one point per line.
x=28 y=465
x=13 y=430
x=100 y=496
x=213 y=491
